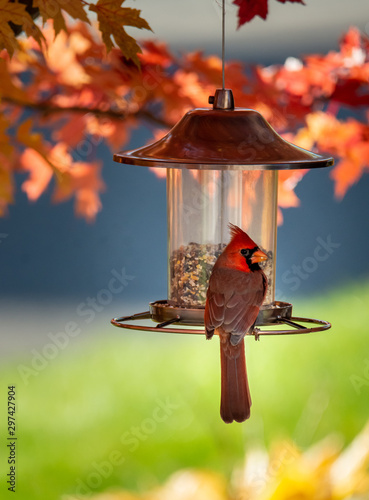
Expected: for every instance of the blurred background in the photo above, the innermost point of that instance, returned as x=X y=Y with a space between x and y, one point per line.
x=148 y=405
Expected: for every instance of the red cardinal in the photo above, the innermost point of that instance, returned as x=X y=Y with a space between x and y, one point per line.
x=237 y=288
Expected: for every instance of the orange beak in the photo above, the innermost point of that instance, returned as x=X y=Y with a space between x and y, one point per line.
x=258 y=256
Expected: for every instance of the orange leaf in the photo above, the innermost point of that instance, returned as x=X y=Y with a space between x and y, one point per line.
x=32 y=140
x=349 y=170
x=287 y=181
x=88 y=204
x=6 y=160
x=40 y=173
x=79 y=179
x=72 y=178
x=52 y=9
x=116 y=132
x=73 y=131
x=208 y=67
x=6 y=149
x=348 y=140
x=112 y=17
x=10 y=87
x=155 y=53
x=62 y=59
x=6 y=184
x=16 y=13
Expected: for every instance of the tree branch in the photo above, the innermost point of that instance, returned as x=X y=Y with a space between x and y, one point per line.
x=47 y=108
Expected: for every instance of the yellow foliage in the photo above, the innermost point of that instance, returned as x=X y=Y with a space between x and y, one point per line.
x=323 y=472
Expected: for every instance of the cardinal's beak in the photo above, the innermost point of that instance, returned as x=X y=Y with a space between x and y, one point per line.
x=258 y=256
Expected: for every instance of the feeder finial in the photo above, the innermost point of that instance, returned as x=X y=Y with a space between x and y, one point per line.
x=223 y=99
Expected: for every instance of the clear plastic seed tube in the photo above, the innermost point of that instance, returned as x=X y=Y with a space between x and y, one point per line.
x=201 y=204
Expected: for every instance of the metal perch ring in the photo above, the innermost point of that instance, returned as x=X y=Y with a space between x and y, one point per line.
x=165 y=327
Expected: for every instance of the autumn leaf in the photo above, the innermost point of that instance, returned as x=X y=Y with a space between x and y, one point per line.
x=206 y=68
x=6 y=171
x=74 y=178
x=31 y=139
x=345 y=140
x=36 y=159
x=52 y=9
x=155 y=53
x=17 y=14
x=62 y=59
x=88 y=204
x=115 y=132
x=287 y=181
x=354 y=162
x=347 y=172
x=81 y=179
x=112 y=19
x=40 y=173
x=5 y=147
x=10 y=86
x=248 y=9
x=72 y=131
x=6 y=187
x=31 y=29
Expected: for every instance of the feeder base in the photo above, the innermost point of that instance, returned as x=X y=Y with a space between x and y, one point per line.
x=162 y=311
x=277 y=313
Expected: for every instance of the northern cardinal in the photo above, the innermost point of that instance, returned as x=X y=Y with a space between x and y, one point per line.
x=237 y=288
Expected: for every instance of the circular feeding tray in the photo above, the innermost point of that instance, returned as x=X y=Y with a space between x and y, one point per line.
x=275 y=319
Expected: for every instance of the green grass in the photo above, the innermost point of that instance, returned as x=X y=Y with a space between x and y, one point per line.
x=97 y=405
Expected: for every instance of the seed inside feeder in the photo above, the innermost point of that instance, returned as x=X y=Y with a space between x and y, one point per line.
x=190 y=269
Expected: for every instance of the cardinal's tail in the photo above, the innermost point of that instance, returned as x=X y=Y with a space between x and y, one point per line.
x=235 y=397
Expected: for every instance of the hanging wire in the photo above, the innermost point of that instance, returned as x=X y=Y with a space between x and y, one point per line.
x=223 y=41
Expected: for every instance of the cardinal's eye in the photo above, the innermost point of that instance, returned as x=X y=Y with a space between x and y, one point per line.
x=246 y=252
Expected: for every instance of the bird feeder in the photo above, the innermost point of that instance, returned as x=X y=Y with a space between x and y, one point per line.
x=222 y=167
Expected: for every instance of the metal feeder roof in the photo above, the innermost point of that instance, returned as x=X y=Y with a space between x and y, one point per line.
x=223 y=138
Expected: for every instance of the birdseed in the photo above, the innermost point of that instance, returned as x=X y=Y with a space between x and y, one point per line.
x=190 y=269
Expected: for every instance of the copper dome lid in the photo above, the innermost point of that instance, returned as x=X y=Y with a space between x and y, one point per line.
x=223 y=138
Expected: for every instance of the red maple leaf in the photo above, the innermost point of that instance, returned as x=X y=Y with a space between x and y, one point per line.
x=248 y=9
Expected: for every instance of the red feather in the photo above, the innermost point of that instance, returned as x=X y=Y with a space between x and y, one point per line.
x=234 y=297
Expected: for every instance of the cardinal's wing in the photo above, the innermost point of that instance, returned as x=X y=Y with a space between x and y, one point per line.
x=233 y=301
